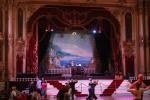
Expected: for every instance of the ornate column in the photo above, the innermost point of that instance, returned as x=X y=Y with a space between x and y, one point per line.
x=6 y=71
x=14 y=35
x=1 y=43
x=24 y=36
x=141 y=37
x=136 y=40
x=27 y=44
x=146 y=39
x=122 y=23
x=11 y=67
x=118 y=13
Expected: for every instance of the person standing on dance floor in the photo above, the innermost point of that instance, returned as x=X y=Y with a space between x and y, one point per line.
x=72 y=86
x=91 y=89
x=138 y=91
x=64 y=93
x=43 y=89
x=31 y=87
x=39 y=85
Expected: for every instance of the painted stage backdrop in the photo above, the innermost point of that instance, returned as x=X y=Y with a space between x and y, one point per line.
x=70 y=49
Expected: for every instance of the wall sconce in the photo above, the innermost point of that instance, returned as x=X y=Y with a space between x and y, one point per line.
x=141 y=42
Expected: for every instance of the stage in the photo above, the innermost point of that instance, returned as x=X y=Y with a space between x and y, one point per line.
x=77 y=73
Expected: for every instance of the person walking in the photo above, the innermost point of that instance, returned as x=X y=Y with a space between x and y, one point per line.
x=39 y=85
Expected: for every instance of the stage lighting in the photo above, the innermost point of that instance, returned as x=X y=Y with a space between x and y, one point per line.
x=74 y=33
x=46 y=30
x=94 y=31
x=49 y=30
x=79 y=65
x=52 y=30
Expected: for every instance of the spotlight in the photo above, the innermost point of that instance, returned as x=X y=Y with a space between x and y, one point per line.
x=46 y=30
x=52 y=30
x=94 y=31
x=74 y=33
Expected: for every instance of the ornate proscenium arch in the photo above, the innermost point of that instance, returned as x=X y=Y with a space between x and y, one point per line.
x=74 y=17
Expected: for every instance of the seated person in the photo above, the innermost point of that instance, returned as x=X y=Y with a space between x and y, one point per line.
x=14 y=94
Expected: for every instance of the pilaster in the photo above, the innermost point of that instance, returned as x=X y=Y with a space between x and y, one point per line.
x=141 y=37
x=11 y=67
x=146 y=39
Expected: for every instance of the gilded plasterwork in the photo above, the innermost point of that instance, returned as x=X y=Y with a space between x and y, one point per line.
x=129 y=48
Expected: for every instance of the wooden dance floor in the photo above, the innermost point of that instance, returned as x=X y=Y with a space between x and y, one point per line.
x=82 y=86
x=117 y=97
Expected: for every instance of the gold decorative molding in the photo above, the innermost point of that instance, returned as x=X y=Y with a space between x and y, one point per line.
x=31 y=9
x=146 y=41
x=1 y=36
x=20 y=45
x=1 y=51
x=91 y=1
x=141 y=41
x=10 y=39
x=129 y=48
x=64 y=0
x=28 y=37
x=116 y=12
x=74 y=18
x=122 y=2
x=140 y=6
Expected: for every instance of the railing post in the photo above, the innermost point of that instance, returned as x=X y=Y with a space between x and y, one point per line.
x=115 y=84
x=100 y=87
x=81 y=87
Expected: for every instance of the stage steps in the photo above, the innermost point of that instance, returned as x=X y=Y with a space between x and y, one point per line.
x=59 y=85
x=111 y=88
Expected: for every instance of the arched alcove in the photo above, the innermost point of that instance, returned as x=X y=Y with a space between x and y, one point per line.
x=20 y=23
